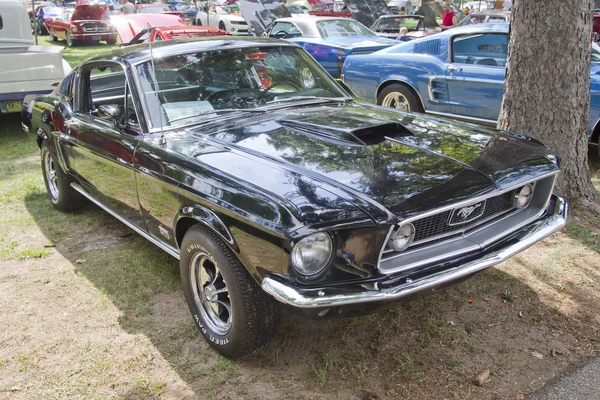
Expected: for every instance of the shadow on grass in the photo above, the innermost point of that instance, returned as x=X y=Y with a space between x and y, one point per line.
x=424 y=347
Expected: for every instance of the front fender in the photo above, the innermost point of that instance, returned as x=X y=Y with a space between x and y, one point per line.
x=207 y=218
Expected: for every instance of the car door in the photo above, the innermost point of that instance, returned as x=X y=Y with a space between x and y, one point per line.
x=61 y=24
x=101 y=138
x=476 y=74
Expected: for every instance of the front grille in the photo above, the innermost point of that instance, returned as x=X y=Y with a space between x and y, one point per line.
x=465 y=228
x=437 y=224
x=94 y=27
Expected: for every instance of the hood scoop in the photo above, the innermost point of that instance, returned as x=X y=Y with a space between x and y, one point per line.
x=361 y=135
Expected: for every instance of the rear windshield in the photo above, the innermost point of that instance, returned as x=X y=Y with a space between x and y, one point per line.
x=342 y=28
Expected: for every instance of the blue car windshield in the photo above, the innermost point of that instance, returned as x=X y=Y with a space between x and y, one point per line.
x=197 y=87
x=595 y=52
x=342 y=28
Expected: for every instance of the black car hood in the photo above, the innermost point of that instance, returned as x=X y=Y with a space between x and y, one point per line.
x=389 y=164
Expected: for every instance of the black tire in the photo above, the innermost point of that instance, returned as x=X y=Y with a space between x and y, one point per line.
x=400 y=96
x=52 y=37
x=254 y=313
x=111 y=42
x=222 y=26
x=58 y=184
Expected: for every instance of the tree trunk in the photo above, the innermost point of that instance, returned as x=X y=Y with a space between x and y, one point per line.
x=547 y=87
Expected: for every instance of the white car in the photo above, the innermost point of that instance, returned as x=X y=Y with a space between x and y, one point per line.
x=24 y=68
x=227 y=18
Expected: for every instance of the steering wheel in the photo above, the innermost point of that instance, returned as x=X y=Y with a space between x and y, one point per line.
x=280 y=34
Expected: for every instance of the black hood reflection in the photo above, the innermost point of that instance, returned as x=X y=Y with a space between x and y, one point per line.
x=427 y=165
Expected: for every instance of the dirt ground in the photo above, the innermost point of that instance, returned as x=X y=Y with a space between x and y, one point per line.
x=91 y=310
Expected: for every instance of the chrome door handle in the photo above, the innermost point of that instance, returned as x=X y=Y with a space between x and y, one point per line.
x=452 y=69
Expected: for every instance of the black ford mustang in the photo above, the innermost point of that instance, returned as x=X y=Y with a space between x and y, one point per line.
x=246 y=161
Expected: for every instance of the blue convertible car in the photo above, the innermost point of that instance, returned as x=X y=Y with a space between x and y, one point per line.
x=458 y=73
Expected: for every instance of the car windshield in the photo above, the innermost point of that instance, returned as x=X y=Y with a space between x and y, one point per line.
x=342 y=28
x=595 y=52
x=393 y=24
x=154 y=9
x=53 y=10
x=199 y=86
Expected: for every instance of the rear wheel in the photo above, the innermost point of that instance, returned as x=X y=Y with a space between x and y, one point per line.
x=400 y=97
x=52 y=37
x=111 y=41
x=222 y=26
x=233 y=313
x=58 y=184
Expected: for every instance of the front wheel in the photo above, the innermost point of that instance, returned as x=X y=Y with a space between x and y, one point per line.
x=111 y=41
x=222 y=26
x=58 y=184
x=233 y=313
x=70 y=41
x=400 y=97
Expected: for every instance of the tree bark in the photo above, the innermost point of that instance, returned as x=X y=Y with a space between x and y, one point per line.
x=547 y=87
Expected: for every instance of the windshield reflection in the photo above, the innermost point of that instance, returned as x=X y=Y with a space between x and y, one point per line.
x=198 y=86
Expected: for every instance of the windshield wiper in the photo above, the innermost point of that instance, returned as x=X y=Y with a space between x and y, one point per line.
x=224 y=110
x=320 y=99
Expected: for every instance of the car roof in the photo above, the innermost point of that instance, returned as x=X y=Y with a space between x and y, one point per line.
x=140 y=53
x=475 y=28
x=490 y=12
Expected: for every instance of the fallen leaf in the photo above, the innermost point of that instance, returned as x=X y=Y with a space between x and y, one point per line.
x=536 y=355
x=471 y=300
x=451 y=323
x=482 y=377
x=520 y=314
x=520 y=396
x=80 y=261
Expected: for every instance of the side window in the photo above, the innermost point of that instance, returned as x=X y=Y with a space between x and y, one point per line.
x=1 y=23
x=105 y=95
x=66 y=85
x=482 y=49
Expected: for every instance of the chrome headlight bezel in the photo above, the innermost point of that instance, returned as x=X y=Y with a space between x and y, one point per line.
x=523 y=196
x=298 y=254
x=403 y=237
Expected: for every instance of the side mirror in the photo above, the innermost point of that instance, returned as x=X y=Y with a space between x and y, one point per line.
x=109 y=111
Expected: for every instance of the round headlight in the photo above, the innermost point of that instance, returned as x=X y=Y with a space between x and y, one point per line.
x=403 y=237
x=311 y=254
x=523 y=196
x=74 y=29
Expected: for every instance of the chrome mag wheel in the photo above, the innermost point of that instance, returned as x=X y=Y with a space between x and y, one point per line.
x=396 y=100
x=50 y=168
x=211 y=294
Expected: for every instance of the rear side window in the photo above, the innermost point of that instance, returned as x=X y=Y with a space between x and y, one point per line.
x=1 y=23
x=66 y=85
x=482 y=49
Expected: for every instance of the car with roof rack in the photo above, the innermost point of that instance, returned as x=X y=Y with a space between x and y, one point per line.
x=273 y=187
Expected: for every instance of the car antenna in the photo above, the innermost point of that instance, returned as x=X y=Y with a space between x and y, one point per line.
x=162 y=141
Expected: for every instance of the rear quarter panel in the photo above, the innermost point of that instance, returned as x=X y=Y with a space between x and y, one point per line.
x=365 y=73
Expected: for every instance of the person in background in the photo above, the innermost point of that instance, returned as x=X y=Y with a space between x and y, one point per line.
x=128 y=8
x=466 y=11
x=402 y=10
x=449 y=20
x=404 y=35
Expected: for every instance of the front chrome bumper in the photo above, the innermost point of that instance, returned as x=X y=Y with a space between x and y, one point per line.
x=535 y=232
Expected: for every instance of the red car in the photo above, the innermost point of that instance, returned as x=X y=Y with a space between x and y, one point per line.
x=134 y=28
x=596 y=28
x=84 y=23
x=158 y=8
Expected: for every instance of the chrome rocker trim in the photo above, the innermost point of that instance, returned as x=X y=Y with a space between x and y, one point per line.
x=537 y=231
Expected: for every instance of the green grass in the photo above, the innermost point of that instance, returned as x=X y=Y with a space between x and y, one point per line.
x=75 y=55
